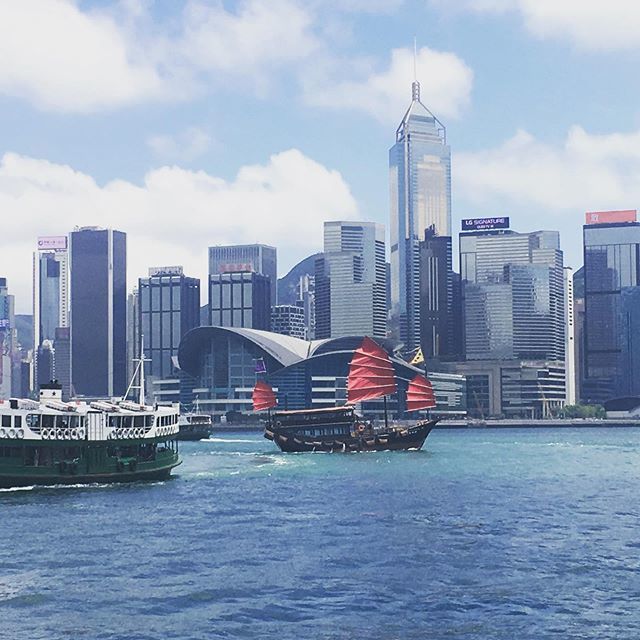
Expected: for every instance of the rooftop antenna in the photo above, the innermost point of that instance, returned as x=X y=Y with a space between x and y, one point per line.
x=415 y=85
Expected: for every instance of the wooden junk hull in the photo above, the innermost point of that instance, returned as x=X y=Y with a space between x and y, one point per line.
x=395 y=439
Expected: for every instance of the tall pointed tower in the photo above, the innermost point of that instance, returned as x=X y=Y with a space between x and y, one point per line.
x=420 y=189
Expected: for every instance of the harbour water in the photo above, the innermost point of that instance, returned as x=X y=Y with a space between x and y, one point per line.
x=510 y=533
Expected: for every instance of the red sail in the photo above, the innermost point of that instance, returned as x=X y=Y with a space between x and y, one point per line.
x=420 y=394
x=263 y=396
x=371 y=373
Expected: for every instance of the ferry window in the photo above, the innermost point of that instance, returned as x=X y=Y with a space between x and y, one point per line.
x=112 y=421
x=126 y=422
x=47 y=421
x=6 y=421
x=138 y=421
x=33 y=420
x=63 y=422
x=149 y=421
x=18 y=422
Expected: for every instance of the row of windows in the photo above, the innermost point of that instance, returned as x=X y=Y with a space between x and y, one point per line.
x=12 y=421
x=45 y=421
x=336 y=431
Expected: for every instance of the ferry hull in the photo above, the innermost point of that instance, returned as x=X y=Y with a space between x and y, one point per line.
x=393 y=440
x=12 y=481
x=83 y=462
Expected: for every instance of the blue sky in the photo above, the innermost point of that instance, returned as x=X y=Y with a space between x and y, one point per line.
x=195 y=123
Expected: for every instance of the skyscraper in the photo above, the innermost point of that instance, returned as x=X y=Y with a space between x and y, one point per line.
x=420 y=190
x=259 y=258
x=611 y=277
x=50 y=299
x=7 y=340
x=169 y=306
x=351 y=281
x=437 y=326
x=513 y=295
x=98 y=298
x=240 y=299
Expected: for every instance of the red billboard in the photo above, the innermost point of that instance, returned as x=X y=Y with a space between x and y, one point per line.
x=606 y=217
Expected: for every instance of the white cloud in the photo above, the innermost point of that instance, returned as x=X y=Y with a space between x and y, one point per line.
x=60 y=58
x=63 y=58
x=550 y=186
x=185 y=146
x=588 y=171
x=446 y=83
x=174 y=215
x=589 y=24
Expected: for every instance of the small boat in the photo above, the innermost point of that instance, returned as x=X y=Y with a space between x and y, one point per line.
x=51 y=442
x=341 y=429
x=195 y=425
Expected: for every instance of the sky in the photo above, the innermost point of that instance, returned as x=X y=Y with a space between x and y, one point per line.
x=190 y=123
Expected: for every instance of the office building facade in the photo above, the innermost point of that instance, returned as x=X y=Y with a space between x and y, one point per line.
x=168 y=307
x=98 y=299
x=50 y=300
x=350 y=281
x=289 y=320
x=611 y=278
x=240 y=299
x=439 y=335
x=420 y=198
x=259 y=258
x=9 y=356
x=513 y=295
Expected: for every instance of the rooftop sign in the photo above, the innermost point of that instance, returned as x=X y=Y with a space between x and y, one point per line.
x=165 y=271
x=482 y=224
x=606 y=217
x=46 y=243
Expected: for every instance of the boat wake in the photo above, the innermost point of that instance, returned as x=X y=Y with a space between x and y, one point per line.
x=231 y=440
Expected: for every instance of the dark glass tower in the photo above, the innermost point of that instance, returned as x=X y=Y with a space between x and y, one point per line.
x=611 y=278
x=259 y=258
x=169 y=306
x=98 y=301
x=240 y=299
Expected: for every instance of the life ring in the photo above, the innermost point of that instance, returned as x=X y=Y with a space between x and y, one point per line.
x=44 y=434
x=67 y=434
x=58 y=434
x=3 y=433
x=74 y=434
x=12 y=433
x=20 y=433
x=81 y=433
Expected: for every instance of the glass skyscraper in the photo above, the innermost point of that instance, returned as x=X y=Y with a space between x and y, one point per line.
x=420 y=196
x=259 y=258
x=50 y=304
x=513 y=295
x=611 y=279
x=351 y=281
x=98 y=312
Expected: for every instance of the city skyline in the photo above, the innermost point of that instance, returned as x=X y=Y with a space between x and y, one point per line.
x=314 y=122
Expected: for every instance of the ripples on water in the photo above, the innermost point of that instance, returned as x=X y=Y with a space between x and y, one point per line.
x=484 y=534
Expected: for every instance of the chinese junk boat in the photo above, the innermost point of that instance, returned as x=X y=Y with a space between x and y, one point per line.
x=341 y=429
x=51 y=442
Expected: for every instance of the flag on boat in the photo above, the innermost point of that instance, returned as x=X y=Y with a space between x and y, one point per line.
x=260 y=366
x=263 y=396
x=420 y=394
x=371 y=373
x=418 y=358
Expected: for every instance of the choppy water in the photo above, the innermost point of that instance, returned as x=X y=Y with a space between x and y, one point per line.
x=484 y=534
